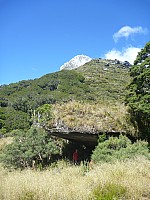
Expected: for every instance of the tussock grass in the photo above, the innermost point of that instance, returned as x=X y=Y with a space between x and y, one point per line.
x=5 y=141
x=94 y=117
x=74 y=183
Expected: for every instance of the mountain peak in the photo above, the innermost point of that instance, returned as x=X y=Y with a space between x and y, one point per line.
x=76 y=62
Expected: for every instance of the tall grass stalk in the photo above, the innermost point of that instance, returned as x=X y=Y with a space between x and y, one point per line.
x=73 y=183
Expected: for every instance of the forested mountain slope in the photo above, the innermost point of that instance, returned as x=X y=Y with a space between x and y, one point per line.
x=107 y=79
x=98 y=81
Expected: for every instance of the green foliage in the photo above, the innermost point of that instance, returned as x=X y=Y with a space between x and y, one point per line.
x=106 y=84
x=119 y=148
x=102 y=138
x=2 y=117
x=30 y=148
x=109 y=191
x=90 y=82
x=138 y=97
x=28 y=195
x=27 y=96
x=10 y=119
x=42 y=114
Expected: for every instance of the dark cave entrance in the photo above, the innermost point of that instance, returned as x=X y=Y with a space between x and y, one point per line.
x=84 y=150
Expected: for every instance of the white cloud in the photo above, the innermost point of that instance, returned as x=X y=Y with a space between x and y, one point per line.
x=129 y=54
x=127 y=31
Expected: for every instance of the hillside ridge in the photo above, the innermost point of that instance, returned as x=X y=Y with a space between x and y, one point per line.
x=97 y=81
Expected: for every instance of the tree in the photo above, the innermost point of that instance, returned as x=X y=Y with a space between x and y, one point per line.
x=31 y=147
x=138 y=98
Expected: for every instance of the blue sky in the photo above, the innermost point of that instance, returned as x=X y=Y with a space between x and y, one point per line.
x=38 y=36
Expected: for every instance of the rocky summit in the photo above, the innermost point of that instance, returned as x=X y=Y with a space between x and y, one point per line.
x=76 y=62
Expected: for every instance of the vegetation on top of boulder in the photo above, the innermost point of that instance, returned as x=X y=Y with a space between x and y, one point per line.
x=92 y=117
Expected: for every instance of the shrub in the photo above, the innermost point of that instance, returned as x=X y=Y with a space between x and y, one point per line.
x=30 y=149
x=119 y=148
x=136 y=149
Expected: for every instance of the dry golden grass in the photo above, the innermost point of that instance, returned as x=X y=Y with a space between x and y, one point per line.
x=94 y=117
x=5 y=141
x=74 y=183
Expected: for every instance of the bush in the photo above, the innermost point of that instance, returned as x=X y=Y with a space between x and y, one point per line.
x=30 y=149
x=119 y=148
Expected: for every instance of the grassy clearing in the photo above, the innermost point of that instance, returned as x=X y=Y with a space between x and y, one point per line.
x=122 y=180
x=94 y=117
